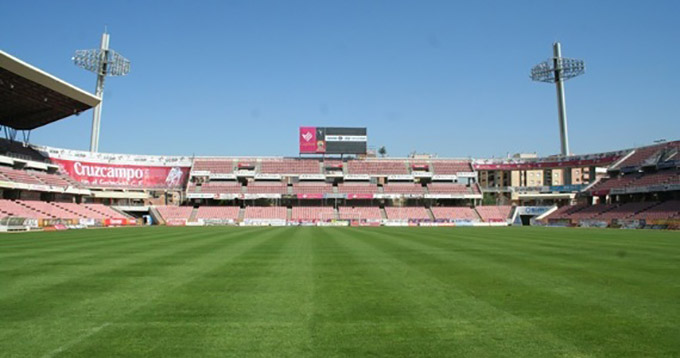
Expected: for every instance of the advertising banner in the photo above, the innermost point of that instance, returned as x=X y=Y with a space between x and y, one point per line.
x=359 y=196
x=138 y=176
x=310 y=196
x=308 y=140
x=332 y=140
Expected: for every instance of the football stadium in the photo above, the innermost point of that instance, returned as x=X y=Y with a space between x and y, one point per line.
x=338 y=251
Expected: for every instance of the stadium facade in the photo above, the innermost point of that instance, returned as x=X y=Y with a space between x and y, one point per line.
x=46 y=187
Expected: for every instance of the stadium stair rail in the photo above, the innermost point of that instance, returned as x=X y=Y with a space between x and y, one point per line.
x=241 y=214
x=156 y=216
x=546 y=214
x=430 y=213
x=193 y=215
x=122 y=213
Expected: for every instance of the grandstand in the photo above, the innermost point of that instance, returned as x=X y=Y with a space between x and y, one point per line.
x=636 y=187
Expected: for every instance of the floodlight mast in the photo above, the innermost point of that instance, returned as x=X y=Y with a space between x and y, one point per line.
x=103 y=62
x=557 y=70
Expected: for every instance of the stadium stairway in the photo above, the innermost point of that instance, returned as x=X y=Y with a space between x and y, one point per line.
x=429 y=213
x=69 y=210
x=193 y=215
x=383 y=213
x=479 y=217
x=156 y=216
x=241 y=214
x=289 y=214
x=122 y=213
x=47 y=215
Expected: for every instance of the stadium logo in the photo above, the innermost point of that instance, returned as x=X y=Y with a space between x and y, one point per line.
x=307 y=136
x=107 y=172
x=174 y=177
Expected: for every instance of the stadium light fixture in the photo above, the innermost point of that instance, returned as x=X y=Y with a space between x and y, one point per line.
x=557 y=70
x=104 y=62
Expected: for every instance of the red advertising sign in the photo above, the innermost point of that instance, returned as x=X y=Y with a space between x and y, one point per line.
x=120 y=175
x=308 y=140
x=310 y=196
x=359 y=196
x=118 y=222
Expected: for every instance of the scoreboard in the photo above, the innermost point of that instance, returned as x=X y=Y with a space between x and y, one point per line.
x=332 y=140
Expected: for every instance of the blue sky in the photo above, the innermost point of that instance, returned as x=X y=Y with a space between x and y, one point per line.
x=444 y=77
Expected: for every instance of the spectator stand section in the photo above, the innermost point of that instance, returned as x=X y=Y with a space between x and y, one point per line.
x=640 y=214
x=37 y=214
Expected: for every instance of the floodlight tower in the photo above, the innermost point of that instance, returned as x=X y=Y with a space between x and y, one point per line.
x=557 y=70
x=103 y=62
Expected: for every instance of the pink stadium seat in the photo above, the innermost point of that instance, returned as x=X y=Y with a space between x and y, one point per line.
x=406 y=213
x=450 y=167
x=169 y=212
x=267 y=187
x=218 y=187
x=14 y=209
x=218 y=212
x=359 y=213
x=104 y=211
x=403 y=188
x=454 y=213
x=312 y=188
x=494 y=213
x=447 y=188
x=357 y=188
x=290 y=166
x=216 y=165
x=266 y=212
x=666 y=210
x=378 y=167
x=312 y=213
x=625 y=211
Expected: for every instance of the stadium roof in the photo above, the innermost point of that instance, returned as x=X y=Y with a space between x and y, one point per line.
x=30 y=97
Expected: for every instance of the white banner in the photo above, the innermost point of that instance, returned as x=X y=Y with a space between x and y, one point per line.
x=357 y=177
x=386 y=196
x=444 y=177
x=200 y=195
x=245 y=173
x=262 y=196
x=417 y=174
x=466 y=174
x=400 y=177
x=312 y=177
x=346 y=138
x=224 y=176
x=229 y=196
x=268 y=176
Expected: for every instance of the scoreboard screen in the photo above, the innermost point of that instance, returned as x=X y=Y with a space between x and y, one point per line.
x=332 y=140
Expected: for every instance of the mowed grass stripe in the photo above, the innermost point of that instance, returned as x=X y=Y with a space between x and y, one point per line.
x=74 y=266
x=189 y=308
x=74 y=306
x=86 y=239
x=454 y=309
x=101 y=253
x=361 y=308
x=541 y=287
x=602 y=265
x=295 y=291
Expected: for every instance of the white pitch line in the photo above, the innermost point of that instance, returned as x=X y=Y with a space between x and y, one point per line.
x=78 y=339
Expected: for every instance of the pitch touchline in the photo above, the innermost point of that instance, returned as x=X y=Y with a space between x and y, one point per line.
x=76 y=341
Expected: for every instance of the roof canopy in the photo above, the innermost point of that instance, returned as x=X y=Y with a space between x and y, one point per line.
x=30 y=97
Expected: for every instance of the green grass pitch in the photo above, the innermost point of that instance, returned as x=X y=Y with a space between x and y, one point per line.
x=322 y=292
